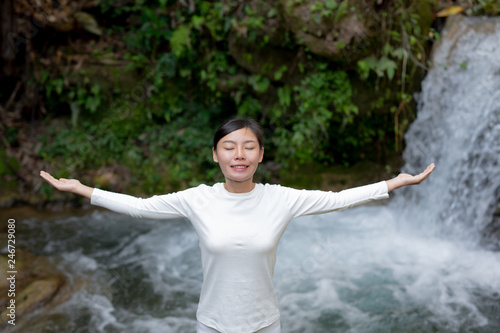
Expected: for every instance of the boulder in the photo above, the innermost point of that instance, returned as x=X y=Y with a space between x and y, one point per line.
x=39 y=286
x=328 y=28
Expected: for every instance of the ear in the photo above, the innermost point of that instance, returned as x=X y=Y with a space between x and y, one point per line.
x=214 y=155
x=261 y=154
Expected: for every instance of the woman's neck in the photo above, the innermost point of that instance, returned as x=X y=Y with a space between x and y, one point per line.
x=239 y=187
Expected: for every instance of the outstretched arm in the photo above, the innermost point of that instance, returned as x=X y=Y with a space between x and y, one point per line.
x=167 y=206
x=404 y=179
x=68 y=185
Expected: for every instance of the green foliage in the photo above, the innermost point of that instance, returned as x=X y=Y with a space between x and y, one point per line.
x=259 y=83
x=161 y=127
x=323 y=98
x=382 y=66
x=399 y=59
x=159 y=154
x=330 y=9
x=180 y=40
x=484 y=7
x=8 y=165
x=81 y=95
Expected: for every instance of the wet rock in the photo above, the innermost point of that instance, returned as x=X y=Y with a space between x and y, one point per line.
x=34 y=296
x=491 y=233
x=38 y=287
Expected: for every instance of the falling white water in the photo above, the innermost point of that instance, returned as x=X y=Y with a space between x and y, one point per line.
x=419 y=262
x=458 y=127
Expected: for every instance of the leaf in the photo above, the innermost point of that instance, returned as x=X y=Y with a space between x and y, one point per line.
x=197 y=21
x=167 y=65
x=387 y=49
x=365 y=65
x=259 y=83
x=387 y=65
x=88 y=23
x=180 y=40
x=331 y=4
x=95 y=89
x=59 y=85
x=400 y=53
x=279 y=73
x=44 y=76
x=92 y=103
x=341 y=11
x=452 y=10
x=285 y=96
x=272 y=13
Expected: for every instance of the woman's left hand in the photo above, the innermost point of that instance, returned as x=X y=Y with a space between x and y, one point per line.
x=404 y=179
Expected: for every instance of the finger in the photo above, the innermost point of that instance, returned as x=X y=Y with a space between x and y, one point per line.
x=45 y=175
x=48 y=177
x=426 y=172
x=429 y=168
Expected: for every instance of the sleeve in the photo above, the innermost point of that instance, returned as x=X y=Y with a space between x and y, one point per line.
x=304 y=202
x=166 y=206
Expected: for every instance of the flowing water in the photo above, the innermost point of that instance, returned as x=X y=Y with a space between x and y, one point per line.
x=419 y=262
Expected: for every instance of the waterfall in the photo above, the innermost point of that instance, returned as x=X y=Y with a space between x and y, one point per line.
x=426 y=260
x=458 y=128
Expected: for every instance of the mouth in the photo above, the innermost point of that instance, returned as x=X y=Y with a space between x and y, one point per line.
x=239 y=167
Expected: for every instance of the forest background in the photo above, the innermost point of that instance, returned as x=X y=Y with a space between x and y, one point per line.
x=126 y=94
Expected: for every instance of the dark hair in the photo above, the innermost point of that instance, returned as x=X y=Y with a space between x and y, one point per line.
x=235 y=124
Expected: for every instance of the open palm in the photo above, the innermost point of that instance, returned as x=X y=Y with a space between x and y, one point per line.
x=404 y=179
x=61 y=184
x=407 y=179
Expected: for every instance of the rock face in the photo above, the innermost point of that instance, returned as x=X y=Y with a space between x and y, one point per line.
x=37 y=287
x=458 y=27
x=341 y=31
x=328 y=28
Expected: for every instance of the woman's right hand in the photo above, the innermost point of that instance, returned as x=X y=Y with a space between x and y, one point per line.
x=67 y=185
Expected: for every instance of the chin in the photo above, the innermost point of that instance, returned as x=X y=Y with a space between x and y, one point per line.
x=238 y=179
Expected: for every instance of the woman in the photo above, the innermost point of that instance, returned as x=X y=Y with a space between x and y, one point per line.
x=239 y=224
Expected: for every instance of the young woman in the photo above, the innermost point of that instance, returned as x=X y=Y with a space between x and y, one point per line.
x=239 y=224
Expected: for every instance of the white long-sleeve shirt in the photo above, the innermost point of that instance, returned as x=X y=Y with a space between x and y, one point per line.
x=238 y=236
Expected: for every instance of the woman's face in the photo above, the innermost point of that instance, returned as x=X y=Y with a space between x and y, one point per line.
x=238 y=155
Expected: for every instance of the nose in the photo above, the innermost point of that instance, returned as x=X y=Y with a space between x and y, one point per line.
x=240 y=153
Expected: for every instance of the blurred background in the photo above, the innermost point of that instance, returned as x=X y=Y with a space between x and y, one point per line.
x=126 y=95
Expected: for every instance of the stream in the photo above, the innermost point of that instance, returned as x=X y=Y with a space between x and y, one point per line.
x=423 y=261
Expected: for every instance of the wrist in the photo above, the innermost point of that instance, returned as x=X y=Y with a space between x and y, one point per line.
x=84 y=190
x=393 y=184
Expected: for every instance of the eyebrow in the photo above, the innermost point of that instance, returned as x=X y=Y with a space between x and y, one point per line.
x=231 y=141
